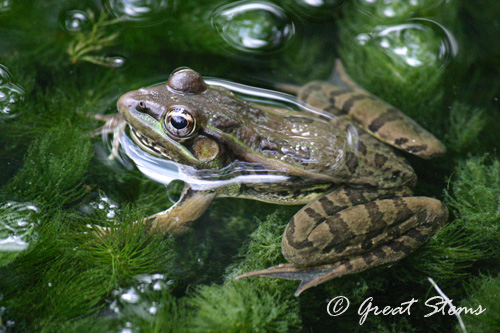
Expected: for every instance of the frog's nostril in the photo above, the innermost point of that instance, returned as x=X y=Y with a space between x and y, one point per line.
x=126 y=101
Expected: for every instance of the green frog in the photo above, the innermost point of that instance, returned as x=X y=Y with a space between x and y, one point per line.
x=359 y=210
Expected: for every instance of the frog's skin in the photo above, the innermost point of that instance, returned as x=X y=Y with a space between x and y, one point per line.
x=359 y=211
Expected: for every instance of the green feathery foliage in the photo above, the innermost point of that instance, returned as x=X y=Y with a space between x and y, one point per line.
x=71 y=277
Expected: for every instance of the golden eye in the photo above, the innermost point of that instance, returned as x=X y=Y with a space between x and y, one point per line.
x=179 y=122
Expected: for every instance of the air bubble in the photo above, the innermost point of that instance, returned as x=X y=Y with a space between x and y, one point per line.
x=115 y=61
x=314 y=9
x=17 y=229
x=102 y=205
x=10 y=94
x=75 y=21
x=6 y=6
x=174 y=190
x=420 y=42
x=253 y=26
x=141 y=298
x=399 y=9
x=147 y=12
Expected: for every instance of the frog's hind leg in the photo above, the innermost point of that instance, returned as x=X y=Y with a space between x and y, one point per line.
x=355 y=239
x=373 y=115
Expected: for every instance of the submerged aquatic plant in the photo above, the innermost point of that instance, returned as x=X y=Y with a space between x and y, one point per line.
x=66 y=279
x=85 y=44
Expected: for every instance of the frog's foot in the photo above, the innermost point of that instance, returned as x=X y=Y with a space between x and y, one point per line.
x=312 y=276
x=114 y=123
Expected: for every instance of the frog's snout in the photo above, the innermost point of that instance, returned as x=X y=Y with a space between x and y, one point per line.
x=126 y=102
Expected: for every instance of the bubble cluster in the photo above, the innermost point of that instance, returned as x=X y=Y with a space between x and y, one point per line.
x=143 y=298
x=416 y=43
x=147 y=12
x=102 y=204
x=17 y=224
x=10 y=93
x=253 y=26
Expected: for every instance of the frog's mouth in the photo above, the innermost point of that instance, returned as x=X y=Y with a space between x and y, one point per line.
x=148 y=145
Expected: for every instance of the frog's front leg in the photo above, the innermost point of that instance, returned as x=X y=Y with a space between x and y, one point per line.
x=353 y=239
x=178 y=219
x=114 y=123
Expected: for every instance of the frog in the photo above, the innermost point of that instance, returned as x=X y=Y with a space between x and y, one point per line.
x=359 y=209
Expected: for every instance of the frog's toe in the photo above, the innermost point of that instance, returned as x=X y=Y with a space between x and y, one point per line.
x=312 y=276
x=307 y=276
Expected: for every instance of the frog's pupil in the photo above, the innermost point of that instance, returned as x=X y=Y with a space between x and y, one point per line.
x=179 y=122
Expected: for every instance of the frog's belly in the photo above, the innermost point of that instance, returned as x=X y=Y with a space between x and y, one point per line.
x=280 y=194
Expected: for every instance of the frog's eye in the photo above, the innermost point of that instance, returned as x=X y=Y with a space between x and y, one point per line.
x=141 y=106
x=179 y=122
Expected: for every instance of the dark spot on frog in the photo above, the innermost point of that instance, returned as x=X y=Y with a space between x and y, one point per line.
x=416 y=148
x=225 y=124
x=312 y=214
x=351 y=161
x=266 y=144
x=332 y=109
x=402 y=209
x=401 y=141
x=399 y=246
x=248 y=136
x=368 y=258
x=376 y=216
x=417 y=235
x=350 y=102
x=367 y=244
x=379 y=253
x=362 y=148
x=334 y=93
x=380 y=160
x=327 y=205
x=390 y=115
x=290 y=237
x=312 y=87
x=340 y=231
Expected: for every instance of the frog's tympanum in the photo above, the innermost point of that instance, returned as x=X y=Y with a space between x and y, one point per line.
x=359 y=210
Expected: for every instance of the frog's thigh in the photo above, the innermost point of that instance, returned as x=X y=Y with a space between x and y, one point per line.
x=378 y=231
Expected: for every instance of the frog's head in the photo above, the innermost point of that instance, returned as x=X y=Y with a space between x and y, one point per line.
x=165 y=120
